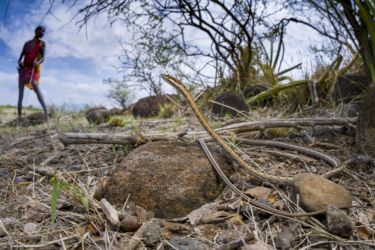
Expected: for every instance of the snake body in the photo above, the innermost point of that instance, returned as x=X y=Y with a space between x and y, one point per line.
x=275 y=179
x=181 y=87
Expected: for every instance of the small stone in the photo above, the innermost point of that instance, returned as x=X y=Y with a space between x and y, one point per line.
x=130 y=224
x=2 y=233
x=316 y=192
x=30 y=228
x=257 y=246
x=286 y=237
x=73 y=168
x=152 y=234
x=338 y=222
x=188 y=244
x=9 y=221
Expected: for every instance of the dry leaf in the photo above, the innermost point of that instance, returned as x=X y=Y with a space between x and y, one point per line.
x=259 y=192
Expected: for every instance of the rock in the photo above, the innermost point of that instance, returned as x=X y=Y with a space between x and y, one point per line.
x=365 y=132
x=316 y=192
x=348 y=88
x=338 y=222
x=130 y=224
x=97 y=115
x=2 y=233
x=152 y=234
x=149 y=106
x=31 y=228
x=36 y=118
x=350 y=109
x=256 y=90
x=188 y=244
x=229 y=99
x=115 y=111
x=260 y=245
x=285 y=238
x=170 y=178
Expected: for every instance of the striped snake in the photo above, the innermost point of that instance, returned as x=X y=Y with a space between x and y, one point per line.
x=274 y=179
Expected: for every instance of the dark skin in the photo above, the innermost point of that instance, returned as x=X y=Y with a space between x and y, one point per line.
x=39 y=32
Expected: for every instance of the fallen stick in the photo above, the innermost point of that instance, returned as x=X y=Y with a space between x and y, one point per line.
x=290 y=123
x=332 y=161
x=110 y=212
x=137 y=237
x=107 y=138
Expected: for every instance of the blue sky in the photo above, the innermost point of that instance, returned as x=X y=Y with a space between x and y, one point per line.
x=77 y=61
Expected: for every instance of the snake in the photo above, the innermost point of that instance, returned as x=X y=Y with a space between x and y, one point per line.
x=275 y=179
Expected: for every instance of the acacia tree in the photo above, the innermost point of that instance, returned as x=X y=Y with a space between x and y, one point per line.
x=120 y=92
x=216 y=34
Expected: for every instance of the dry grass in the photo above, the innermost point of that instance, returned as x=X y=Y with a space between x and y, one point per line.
x=28 y=162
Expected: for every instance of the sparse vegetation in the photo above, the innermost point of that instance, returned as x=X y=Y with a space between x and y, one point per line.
x=117 y=121
x=57 y=196
x=167 y=110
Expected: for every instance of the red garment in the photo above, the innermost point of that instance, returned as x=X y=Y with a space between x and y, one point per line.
x=30 y=73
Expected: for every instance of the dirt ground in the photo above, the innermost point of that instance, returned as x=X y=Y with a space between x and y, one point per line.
x=31 y=158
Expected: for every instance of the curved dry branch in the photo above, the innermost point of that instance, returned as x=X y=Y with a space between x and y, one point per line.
x=290 y=123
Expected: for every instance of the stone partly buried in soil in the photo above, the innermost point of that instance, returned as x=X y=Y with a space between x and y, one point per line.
x=316 y=192
x=170 y=178
x=338 y=222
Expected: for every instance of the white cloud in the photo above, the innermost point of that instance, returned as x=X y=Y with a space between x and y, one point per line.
x=99 y=49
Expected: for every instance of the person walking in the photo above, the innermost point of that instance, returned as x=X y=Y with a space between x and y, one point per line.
x=29 y=62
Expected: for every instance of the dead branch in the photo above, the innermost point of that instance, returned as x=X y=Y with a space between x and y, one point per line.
x=303 y=150
x=106 y=138
x=289 y=123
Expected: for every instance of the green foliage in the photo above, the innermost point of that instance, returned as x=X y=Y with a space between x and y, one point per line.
x=120 y=92
x=54 y=197
x=367 y=14
x=117 y=121
x=72 y=190
x=167 y=110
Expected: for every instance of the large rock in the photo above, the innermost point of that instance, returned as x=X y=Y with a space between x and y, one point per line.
x=97 y=115
x=365 y=133
x=350 y=87
x=33 y=119
x=316 y=192
x=149 y=106
x=229 y=99
x=170 y=178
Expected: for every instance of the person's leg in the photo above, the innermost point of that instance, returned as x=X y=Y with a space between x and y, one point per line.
x=21 y=88
x=40 y=98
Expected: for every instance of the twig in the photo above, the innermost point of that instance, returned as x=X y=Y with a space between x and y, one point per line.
x=135 y=240
x=20 y=245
